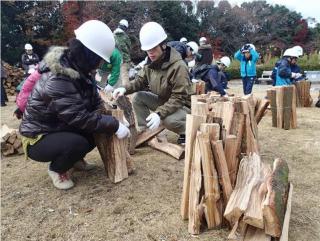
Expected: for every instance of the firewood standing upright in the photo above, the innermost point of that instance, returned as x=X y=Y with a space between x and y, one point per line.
x=303 y=94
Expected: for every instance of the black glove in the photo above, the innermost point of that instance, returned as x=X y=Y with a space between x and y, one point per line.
x=18 y=113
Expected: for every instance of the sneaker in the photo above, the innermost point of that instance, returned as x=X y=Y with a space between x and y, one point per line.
x=182 y=139
x=61 y=180
x=82 y=165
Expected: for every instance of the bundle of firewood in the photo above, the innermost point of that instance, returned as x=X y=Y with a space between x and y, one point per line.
x=260 y=205
x=14 y=78
x=10 y=141
x=218 y=132
x=283 y=106
x=304 y=98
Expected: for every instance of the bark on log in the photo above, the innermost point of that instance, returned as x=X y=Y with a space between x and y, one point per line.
x=171 y=149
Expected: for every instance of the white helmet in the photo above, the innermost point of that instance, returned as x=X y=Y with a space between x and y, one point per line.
x=97 y=37
x=183 y=40
x=124 y=23
x=151 y=35
x=28 y=47
x=291 y=53
x=194 y=46
x=202 y=40
x=225 y=60
x=252 y=46
x=299 y=50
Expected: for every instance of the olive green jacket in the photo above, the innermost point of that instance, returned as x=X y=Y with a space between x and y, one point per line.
x=123 y=43
x=169 y=79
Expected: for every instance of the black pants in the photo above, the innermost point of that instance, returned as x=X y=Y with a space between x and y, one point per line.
x=4 y=97
x=62 y=149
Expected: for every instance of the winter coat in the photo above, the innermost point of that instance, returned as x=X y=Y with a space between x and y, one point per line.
x=28 y=85
x=180 y=47
x=283 y=72
x=27 y=60
x=113 y=67
x=247 y=67
x=64 y=100
x=123 y=43
x=213 y=77
x=168 y=78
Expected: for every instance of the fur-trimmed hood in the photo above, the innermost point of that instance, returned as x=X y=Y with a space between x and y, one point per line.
x=53 y=61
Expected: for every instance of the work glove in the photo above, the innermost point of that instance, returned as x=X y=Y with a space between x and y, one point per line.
x=153 y=121
x=118 y=92
x=195 y=80
x=122 y=131
x=295 y=75
x=98 y=77
x=18 y=113
x=108 y=89
x=226 y=95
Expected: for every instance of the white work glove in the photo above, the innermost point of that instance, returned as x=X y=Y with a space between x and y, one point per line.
x=296 y=75
x=153 y=121
x=195 y=80
x=108 y=89
x=30 y=71
x=226 y=95
x=118 y=92
x=122 y=131
x=98 y=77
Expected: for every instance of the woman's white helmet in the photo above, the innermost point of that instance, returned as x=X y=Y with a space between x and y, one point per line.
x=28 y=47
x=194 y=46
x=124 y=22
x=97 y=37
x=151 y=35
x=203 y=41
x=291 y=53
x=299 y=50
x=183 y=40
x=225 y=60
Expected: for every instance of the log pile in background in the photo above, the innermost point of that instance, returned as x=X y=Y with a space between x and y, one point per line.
x=14 y=77
x=10 y=141
x=303 y=93
x=218 y=132
x=283 y=106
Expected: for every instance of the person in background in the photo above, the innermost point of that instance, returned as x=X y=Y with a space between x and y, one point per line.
x=223 y=64
x=162 y=86
x=184 y=40
x=203 y=41
x=62 y=115
x=248 y=58
x=123 y=43
x=29 y=59
x=4 y=97
x=187 y=51
x=295 y=68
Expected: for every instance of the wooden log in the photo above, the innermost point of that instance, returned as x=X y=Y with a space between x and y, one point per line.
x=224 y=110
x=249 y=171
x=222 y=168
x=255 y=234
x=273 y=103
x=17 y=143
x=211 y=184
x=129 y=162
x=193 y=123
x=124 y=104
x=174 y=150
x=279 y=100
x=238 y=231
x=8 y=150
x=148 y=134
x=285 y=228
x=237 y=129
x=200 y=87
x=195 y=187
x=293 y=123
x=230 y=150
x=263 y=105
x=275 y=203
x=12 y=138
x=200 y=109
x=213 y=129
x=287 y=106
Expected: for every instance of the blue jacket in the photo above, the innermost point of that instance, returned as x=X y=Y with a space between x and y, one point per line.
x=283 y=70
x=247 y=67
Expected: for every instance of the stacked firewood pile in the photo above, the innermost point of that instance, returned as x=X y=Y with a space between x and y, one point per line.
x=304 y=98
x=219 y=132
x=14 y=77
x=10 y=141
x=283 y=106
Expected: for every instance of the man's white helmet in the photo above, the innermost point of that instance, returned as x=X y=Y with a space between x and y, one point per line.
x=291 y=53
x=183 y=40
x=194 y=47
x=203 y=40
x=124 y=23
x=299 y=50
x=252 y=46
x=28 y=47
x=97 y=37
x=225 y=60
x=151 y=35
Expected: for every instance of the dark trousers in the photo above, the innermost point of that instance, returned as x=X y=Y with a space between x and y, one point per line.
x=4 y=97
x=62 y=149
x=247 y=83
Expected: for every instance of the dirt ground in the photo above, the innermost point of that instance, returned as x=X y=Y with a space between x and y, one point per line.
x=146 y=206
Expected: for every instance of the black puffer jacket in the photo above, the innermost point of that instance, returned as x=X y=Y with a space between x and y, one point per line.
x=64 y=100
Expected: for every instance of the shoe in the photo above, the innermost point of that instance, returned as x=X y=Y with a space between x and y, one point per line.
x=61 y=180
x=82 y=165
x=182 y=139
